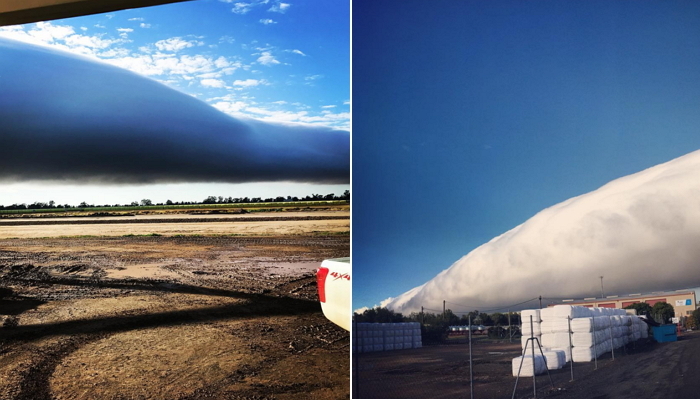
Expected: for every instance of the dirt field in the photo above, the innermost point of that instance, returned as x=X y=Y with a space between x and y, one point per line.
x=656 y=370
x=259 y=223
x=158 y=317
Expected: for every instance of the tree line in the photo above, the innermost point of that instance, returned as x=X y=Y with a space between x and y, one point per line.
x=209 y=200
x=448 y=318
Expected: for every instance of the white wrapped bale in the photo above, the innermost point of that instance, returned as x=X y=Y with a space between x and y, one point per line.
x=529 y=368
x=555 y=340
x=554 y=326
x=555 y=359
x=588 y=339
x=525 y=316
x=547 y=314
x=601 y=322
x=567 y=352
x=582 y=325
x=583 y=354
x=523 y=341
x=567 y=311
x=526 y=329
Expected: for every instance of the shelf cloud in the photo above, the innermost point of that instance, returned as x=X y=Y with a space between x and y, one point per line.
x=641 y=232
x=66 y=117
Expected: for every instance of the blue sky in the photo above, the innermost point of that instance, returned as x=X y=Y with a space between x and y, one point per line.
x=470 y=117
x=274 y=61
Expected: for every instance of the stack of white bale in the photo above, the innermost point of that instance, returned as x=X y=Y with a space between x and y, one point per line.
x=594 y=331
x=369 y=337
x=525 y=328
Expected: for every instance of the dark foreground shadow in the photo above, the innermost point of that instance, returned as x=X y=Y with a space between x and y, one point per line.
x=255 y=306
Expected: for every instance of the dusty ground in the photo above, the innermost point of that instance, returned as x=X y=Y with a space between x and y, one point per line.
x=157 y=317
x=656 y=370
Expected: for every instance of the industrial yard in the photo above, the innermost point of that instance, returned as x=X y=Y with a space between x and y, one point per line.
x=162 y=310
x=643 y=370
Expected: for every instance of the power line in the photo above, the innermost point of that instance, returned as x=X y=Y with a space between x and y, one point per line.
x=491 y=309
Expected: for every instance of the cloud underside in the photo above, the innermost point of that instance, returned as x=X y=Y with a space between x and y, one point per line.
x=641 y=232
x=68 y=118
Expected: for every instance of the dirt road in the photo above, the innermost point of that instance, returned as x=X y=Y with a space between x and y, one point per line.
x=155 y=317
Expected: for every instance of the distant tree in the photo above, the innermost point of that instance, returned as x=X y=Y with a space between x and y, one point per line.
x=52 y=204
x=134 y=203
x=169 y=202
x=499 y=319
x=209 y=200
x=146 y=202
x=346 y=195
x=83 y=204
x=485 y=319
x=696 y=316
x=662 y=312
x=378 y=314
x=691 y=322
x=642 y=308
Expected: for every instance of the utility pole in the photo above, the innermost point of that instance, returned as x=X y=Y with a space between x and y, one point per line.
x=443 y=311
x=602 y=293
x=510 y=329
x=540 y=302
x=422 y=318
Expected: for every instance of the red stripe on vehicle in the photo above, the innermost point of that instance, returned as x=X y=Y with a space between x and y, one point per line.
x=321 y=275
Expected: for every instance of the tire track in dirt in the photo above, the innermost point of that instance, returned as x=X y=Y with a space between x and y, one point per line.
x=35 y=381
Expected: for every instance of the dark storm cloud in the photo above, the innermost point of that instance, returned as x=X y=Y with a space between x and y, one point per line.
x=63 y=117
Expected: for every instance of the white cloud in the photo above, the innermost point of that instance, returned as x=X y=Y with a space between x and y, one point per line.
x=313 y=77
x=248 y=82
x=295 y=51
x=639 y=231
x=279 y=8
x=361 y=310
x=174 y=44
x=267 y=59
x=125 y=30
x=327 y=106
x=267 y=21
x=214 y=83
x=136 y=19
x=226 y=39
x=143 y=25
x=242 y=8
